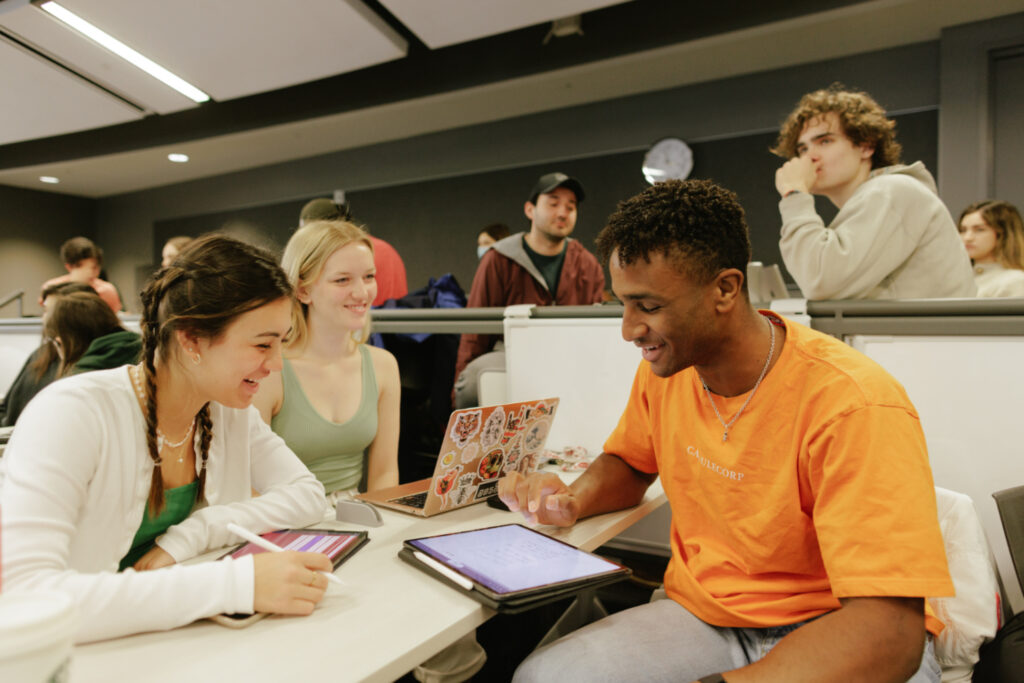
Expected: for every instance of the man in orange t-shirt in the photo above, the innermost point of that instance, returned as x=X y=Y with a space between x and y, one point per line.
x=804 y=531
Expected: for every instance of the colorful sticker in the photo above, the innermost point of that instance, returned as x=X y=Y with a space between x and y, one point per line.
x=536 y=434
x=512 y=458
x=466 y=427
x=463 y=494
x=448 y=459
x=541 y=409
x=510 y=463
x=513 y=425
x=490 y=465
x=444 y=483
x=493 y=428
x=470 y=452
x=486 y=490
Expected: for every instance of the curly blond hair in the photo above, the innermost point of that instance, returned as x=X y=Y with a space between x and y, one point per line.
x=862 y=120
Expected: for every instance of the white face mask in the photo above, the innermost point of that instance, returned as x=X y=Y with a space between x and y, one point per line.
x=481 y=250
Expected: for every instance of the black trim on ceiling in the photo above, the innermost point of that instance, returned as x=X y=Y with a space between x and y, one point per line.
x=610 y=32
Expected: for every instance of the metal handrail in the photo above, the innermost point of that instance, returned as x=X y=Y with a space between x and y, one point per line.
x=16 y=295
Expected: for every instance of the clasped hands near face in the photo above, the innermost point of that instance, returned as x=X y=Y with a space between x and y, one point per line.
x=285 y=583
x=542 y=498
x=796 y=175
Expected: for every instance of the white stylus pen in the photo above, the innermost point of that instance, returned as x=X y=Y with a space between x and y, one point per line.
x=440 y=568
x=272 y=547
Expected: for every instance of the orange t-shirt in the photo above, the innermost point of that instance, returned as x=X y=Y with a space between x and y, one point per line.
x=822 y=491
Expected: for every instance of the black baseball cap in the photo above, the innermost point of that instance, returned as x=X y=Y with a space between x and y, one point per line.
x=550 y=181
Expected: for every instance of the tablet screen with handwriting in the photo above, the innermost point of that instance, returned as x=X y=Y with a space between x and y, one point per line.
x=512 y=559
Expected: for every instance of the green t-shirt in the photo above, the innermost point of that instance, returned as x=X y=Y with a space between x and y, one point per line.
x=550 y=267
x=178 y=504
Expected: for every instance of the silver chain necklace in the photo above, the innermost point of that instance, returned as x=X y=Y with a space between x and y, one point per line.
x=161 y=438
x=764 y=371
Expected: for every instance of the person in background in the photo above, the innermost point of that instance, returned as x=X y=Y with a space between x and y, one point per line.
x=113 y=478
x=41 y=366
x=83 y=260
x=336 y=400
x=804 y=531
x=391 y=279
x=171 y=249
x=893 y=238
x=994 y=238
x=543 y=266
x=488 y=236
x=88 y=335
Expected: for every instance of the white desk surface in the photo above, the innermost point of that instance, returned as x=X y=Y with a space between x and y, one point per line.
x=387 y=620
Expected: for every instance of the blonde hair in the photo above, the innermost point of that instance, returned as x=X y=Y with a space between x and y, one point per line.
x=1004 y=218
x=304 y=259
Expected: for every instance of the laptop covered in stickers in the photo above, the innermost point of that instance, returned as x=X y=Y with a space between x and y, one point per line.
x=480 y=446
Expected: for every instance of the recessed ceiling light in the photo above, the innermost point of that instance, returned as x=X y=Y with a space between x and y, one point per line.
x=124 y=52
x=178 y=158
x=49 y=179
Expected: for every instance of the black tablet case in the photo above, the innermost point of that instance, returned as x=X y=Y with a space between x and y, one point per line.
x=522 y=603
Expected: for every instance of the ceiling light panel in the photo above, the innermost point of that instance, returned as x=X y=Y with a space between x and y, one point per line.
x=41 y=100
x=233 y=48
x=446 y=22
x=37 y=28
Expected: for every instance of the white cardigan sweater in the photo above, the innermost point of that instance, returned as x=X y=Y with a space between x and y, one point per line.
x=76 y=486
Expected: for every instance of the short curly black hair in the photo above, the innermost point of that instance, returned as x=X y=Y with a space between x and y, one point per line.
x=698 y=224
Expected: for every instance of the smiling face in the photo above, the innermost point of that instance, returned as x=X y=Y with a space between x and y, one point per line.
x=553 y=217
x=665 y=313
x=840 y=166
x=249 y=349
x=980 y=239
x=342 y=293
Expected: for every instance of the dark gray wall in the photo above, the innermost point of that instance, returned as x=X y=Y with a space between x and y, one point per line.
x=411 y=192
x=33 y=225
x=434 y=223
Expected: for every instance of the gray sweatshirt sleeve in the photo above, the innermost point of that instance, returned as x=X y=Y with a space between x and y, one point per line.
x=867 y=241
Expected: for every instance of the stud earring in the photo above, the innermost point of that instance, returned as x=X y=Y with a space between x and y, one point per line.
x=197 y=359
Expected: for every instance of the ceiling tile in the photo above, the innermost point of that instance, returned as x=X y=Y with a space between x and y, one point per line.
x=233 y=48
x=446 y=22
x=42 y=100
x=37 y=28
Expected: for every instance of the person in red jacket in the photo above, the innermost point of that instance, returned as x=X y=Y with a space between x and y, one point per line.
x=391 y=278
x=543 y=266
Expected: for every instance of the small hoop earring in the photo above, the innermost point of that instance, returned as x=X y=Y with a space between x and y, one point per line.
x=197 y=359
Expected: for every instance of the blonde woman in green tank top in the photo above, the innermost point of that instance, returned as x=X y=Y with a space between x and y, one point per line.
x=336 y=397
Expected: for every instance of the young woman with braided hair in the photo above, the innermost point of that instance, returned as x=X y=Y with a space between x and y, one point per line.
x=142 y=467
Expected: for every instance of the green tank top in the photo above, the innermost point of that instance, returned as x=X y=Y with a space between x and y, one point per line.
x=331 y=451
x=178 y=504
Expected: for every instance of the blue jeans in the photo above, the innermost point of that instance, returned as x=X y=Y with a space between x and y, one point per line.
x=663 y=641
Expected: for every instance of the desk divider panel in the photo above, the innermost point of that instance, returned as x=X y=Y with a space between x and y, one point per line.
x=586 y=363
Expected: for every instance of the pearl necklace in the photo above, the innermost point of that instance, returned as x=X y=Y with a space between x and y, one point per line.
x=161 y=438
x=764 y=371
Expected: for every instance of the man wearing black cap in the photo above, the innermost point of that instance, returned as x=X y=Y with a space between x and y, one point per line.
x=543 y=266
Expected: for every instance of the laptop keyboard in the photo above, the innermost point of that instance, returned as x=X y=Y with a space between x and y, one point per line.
x=416 y=500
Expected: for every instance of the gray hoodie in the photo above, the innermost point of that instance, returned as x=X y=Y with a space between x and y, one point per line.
x=893 y=239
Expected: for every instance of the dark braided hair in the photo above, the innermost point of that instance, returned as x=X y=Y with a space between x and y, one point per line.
x=212 y=281
x=698 y=225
